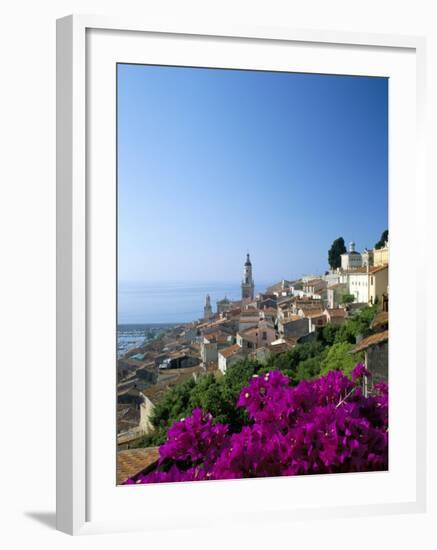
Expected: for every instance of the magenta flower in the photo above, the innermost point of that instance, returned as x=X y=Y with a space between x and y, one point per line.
x=320 y=426
x=359 y=371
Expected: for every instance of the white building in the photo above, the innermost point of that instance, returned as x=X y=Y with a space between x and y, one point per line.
x=351 y=259
x=367 y=257
x=230 y=355
x=367 y=284
x=331 y=278
x=359 y=286
x=335 y=294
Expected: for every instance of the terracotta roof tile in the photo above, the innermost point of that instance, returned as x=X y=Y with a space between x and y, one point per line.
x=279 y=348
x=231 y=350
x=337 y=312
x=371 y=340
x=133 y=461
x=291 y=319
x=380 y=320
x=309 y=312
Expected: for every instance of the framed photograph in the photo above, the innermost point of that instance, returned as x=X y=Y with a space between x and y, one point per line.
x=236 y=211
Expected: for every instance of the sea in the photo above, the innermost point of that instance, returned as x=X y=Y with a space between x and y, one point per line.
x=153 y=306
x=130 y=336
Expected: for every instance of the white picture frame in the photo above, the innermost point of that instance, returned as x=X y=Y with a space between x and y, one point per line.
x=76 y=310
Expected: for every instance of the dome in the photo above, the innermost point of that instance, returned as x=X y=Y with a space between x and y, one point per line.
x=248 y=260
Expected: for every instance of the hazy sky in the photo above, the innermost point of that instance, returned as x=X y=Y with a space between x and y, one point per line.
x=215 y=163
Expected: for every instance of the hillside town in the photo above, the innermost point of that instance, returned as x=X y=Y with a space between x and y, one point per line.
x=257 y=326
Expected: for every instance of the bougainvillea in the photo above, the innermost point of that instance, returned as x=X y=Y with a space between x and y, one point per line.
x=321 y=426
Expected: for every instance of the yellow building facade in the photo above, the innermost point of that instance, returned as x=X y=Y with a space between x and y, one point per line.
x=380 y=256
x=378 y=283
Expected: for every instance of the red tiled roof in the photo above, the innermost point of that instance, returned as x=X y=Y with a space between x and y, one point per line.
x=380 y=320
x=371 y=340
x=133 y=461
x=337 y=312
x=218 y=335
x=291 y=319
x=309 y=313
x=231 y=350
x=279 y=348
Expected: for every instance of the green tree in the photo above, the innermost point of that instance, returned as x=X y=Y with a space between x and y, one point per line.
x=383 y=239
x=334 y=254
x=339 y=357
x=328 y=334
x=347 y=299
x=359 y=325
x=174 y=405
x=310 y=368
x=301 y=362
x=217 y=395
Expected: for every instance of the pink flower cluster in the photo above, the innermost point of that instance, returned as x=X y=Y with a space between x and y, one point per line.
x=321 y=426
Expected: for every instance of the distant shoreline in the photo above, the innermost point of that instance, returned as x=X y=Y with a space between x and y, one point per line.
x=134 y=335
x=141 y=324
x=172 y=303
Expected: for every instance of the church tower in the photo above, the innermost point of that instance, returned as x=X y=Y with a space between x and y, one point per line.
x=247 y=285
x=207 y=310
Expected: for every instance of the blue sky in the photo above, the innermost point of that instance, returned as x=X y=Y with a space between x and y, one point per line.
x=214 y=163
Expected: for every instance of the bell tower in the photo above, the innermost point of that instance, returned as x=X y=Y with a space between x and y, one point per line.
x=207 y=310
x=247 y=284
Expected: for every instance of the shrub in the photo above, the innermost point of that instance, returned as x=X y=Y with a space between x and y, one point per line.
x=339 y=357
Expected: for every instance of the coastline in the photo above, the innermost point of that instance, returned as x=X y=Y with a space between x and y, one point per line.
x=134 y=335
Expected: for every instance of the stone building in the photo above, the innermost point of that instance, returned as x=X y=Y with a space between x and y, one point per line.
x=335 y=316
x=212 y=343
x=295 y=326
x=256 y=337
x=375 y=348
x=314 y=287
